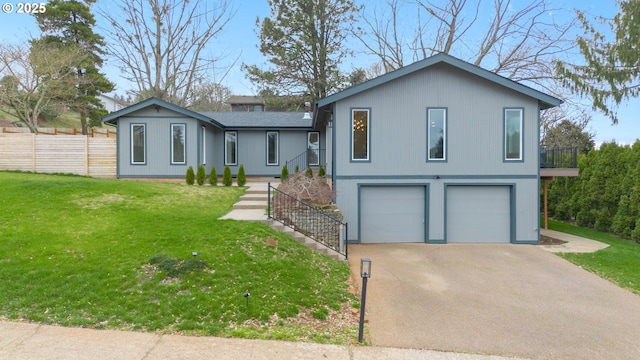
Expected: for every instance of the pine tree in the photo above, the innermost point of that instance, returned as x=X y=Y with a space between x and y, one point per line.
x=190 y=177
x=201 y=175
x=284 y=175
x=67 y=24
x=213 y=177
x=242 y=178
x=227 y=179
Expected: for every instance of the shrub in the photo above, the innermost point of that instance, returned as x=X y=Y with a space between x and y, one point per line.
x=321 y=171
x=297 y=169
x=242 y=178
x=213 y=176
x=309 y=172
x=284 y=176
x=227 y=180
x=190 y=177
x=201 y=175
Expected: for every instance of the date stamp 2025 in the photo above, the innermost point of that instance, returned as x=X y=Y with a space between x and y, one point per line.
x=24 y=8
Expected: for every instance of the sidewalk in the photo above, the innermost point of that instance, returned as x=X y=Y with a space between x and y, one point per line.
x=574 y=244
x=253 y=204
x=26 y=341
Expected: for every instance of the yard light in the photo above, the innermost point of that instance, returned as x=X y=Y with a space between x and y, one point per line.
x=365 y=273
x=194 y=253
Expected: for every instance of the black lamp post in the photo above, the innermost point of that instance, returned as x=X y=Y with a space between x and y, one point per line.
x=365 y=273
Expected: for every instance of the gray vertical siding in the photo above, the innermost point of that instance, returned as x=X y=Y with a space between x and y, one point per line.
x=475 y=135
x=474 y=123
x=252 y=150
x=158 y=144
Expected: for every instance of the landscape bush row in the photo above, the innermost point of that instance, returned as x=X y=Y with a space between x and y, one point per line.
x=606 y=194
x=227 y=178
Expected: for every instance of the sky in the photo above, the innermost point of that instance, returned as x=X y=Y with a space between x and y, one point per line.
x=238 y=44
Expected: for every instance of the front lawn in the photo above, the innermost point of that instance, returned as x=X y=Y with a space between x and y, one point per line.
x=619 y=263
x=77 y=251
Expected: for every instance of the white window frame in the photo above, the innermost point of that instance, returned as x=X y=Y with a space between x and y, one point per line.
x=144 y=143
x=184 y=144
x=444 y=134
x=309 y=148
x=235 y=145
x=204 y=145
x=368 y=112
x=506 y=134
x=277 y=149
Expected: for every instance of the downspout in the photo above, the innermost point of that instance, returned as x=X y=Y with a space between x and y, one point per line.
x=333 y=153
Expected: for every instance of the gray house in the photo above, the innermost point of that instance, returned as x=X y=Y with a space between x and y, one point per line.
x=157 y=139
x=439 y=151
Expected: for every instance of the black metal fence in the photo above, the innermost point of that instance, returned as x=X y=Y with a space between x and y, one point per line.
x=315 y=223
x=555 y=158
x=309 y=158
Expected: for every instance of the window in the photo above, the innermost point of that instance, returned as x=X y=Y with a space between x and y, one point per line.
x=231 y=148
x=313 y=148
x=138 y=144
x=204 y=145
x=359 y=135
x=272 y=148
x=513 y=134
x=177 y=144
x=437 y=134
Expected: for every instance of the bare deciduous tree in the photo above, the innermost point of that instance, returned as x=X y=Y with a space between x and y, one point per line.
x=33 y=78
x=518 y=40
x=161 y=45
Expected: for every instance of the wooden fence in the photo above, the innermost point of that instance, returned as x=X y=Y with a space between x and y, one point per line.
x=74 y=154
x=56 y=131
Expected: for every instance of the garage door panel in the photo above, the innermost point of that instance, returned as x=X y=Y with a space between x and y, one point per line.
x=478 y=214
x=392 y=214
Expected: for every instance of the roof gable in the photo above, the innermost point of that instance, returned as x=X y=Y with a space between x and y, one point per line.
x=546 y=101
x=114 y=116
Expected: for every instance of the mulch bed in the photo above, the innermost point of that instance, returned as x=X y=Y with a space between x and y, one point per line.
x=545 y=240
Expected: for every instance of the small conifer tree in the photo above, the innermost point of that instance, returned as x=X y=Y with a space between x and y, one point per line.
x=284 y=176
x=297 y=169
x=213 y=177
x=227 y=180
x=321 y=171
x=201 y=175
x=242 y=178
x=190 y=177
x=309 y=172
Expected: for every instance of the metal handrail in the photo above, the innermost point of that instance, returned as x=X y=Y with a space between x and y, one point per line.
x=561 y=157
x=303 y=160
x=283 y=208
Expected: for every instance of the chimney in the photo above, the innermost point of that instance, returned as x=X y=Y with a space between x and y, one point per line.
x=307 y=111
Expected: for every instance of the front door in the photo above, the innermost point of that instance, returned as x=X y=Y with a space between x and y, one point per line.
x=313 y=148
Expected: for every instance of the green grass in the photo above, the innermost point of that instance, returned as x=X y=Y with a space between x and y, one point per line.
x=76 y=251
x=619 y=263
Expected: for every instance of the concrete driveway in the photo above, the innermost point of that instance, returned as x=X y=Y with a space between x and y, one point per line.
x=508 y=300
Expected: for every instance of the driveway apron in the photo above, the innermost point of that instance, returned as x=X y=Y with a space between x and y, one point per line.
x=508 y=300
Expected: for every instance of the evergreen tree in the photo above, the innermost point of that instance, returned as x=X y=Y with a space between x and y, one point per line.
x=213 y=177
x=227 y=179
x=242 y=178
x=284 y=175
x=201 y=175
x=190 y=177
x=69 y=23
x=610 y=72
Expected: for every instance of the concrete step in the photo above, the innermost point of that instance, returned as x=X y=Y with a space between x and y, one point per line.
x=254 y=197
x=250 y=205
x=305 y=240
x=256 y=191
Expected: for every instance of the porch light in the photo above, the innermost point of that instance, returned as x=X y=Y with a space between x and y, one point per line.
x=365 y=267
x=365 y=273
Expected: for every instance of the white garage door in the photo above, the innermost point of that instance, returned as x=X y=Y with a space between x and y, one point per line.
x=478 y=214
x=392 y=214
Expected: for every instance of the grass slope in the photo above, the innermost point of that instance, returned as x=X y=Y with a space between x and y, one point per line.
x=76 y=251
x=619 y=263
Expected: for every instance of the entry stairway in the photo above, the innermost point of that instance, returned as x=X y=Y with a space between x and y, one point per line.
x=252 y=206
